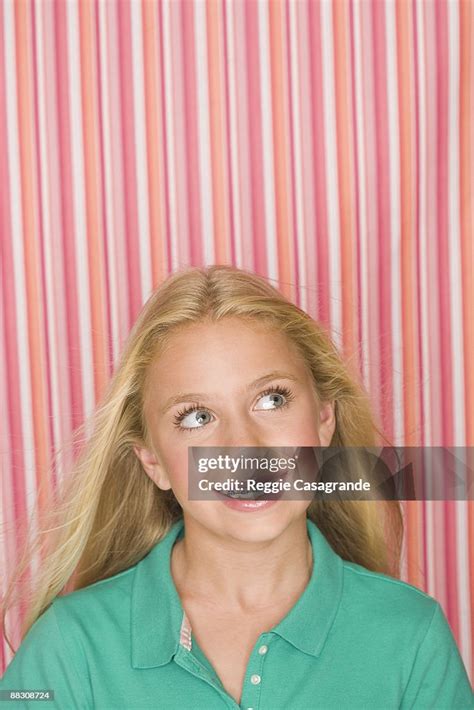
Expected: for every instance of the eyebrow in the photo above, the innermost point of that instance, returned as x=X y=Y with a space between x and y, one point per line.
x=194 y=396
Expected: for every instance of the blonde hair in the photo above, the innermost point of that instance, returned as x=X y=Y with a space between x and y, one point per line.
x=109 y=513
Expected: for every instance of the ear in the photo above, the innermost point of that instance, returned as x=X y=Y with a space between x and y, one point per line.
x=153 y=467
x=327 y=422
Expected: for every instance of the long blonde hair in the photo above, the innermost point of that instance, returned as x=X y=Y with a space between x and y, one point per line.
x=108 y=513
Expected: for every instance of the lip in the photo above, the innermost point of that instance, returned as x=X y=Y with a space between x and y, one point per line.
x=261 y=502
x=245 y=506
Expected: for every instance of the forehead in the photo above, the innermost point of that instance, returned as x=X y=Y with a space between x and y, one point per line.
x=226 y=351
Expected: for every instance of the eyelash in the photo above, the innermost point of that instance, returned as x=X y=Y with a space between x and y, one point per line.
x=278 y=389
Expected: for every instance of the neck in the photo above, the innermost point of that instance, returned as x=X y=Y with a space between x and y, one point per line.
x=241 y=576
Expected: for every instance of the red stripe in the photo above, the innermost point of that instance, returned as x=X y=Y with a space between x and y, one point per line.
x=101 y=161
x=231 y=178
x=130 y=178
x=67 y=212
x=357 y=149
x=292 y=96
x=41 y=237
x=319 y=160
x=442 y=56
x=191 y=136
x=10 y=334
x=255 y=136
x=383 y=200
x=165 y=153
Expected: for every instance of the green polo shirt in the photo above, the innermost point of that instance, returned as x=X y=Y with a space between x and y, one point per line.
x=354 y=639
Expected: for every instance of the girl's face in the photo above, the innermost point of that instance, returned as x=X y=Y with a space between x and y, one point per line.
x=215 y=385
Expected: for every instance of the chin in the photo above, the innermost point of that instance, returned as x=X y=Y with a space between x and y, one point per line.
x=264 y=526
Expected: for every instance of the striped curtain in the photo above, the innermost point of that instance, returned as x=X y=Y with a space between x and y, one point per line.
x=328 y=146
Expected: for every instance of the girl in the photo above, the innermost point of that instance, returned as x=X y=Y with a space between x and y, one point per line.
x=210 y=604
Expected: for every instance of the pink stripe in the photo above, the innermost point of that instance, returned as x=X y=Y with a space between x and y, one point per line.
x=292 y=90
x=255 y=136
x=243 y=118
x=165 y=140
x=181 y=187
x=12 y=360
x=57 y=285
x=425 y=561
x=372 y=208
x=116 y=258
x=308 y=151
x=434 y=324
x=383 y=199
x=103 y=225
x=319 y=160
x=67 y=211
x=191 y=122
x=41 y=237
x=355 y=118
x=442 y=55
x=231 y=179
x=128 y=119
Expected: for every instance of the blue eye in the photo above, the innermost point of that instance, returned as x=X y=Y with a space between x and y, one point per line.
x=194 y=417
x=275 y=398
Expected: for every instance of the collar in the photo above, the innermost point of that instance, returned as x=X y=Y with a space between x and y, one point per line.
x=158 y=620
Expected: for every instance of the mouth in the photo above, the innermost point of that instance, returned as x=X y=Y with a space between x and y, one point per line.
x=256 y=495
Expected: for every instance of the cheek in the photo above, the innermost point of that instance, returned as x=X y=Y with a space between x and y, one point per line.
x=306 y=424
x=176 y=464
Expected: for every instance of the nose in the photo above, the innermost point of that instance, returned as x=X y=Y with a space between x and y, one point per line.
x=241 y=433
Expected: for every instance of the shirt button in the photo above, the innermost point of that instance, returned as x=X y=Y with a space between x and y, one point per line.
x=263 y=649
x=255 y=679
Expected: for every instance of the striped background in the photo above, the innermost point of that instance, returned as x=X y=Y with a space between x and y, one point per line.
x=328 y=146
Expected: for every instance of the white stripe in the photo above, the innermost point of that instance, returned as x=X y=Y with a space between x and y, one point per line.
x=462 y=559
x=267 y=141
x=395 y=228
x=170 y=137
x=363 y=230
x=455 y=291
x=49 y=241
x=141 y=151
x=233 y=137
x=454 y=234
x=403 y=552
x=204 y=133
x=112 y=225
x=423 y=267
x=17 y=236
x=329 y=109
x=297 y=159
x=8 y=521
x=424 y=296
x=7 y=508
x=80 y=237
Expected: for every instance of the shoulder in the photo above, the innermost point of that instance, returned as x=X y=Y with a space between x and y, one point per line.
x=386 y=602
x=108 y=596
x=69 y=639
x=379 y=587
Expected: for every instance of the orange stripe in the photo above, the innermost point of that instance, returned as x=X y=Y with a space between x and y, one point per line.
x=466 y=157
x=280 y=148
x=410 y=412
x=345 y=166
x=34 y=295
x=93 y=188
x=216 y=111
x=407 y=190
x=151 y=62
